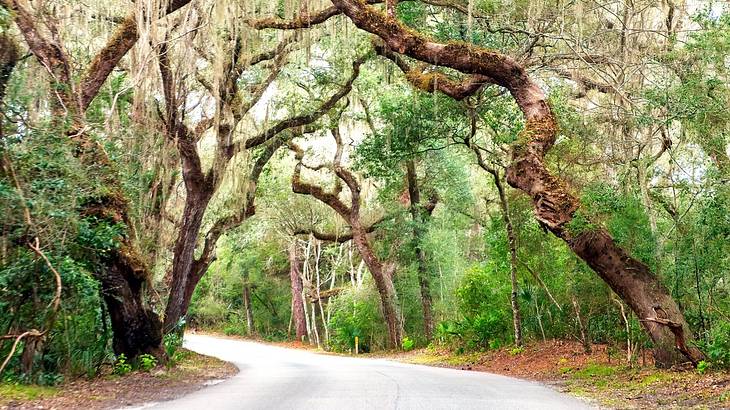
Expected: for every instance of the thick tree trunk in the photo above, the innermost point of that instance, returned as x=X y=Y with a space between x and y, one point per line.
x=555 y=206
x=136 y=329
x=185 y=276
x=383 y=277
x=419 y=218
x=298 y=313
x=512 y=243
x=8 y=58
x=122 y=272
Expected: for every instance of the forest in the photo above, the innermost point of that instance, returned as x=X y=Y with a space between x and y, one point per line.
x=467 y=175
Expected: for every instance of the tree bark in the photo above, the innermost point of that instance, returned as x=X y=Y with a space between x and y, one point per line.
x=383 y=277
x=555 y=205
x=420 y=217
x=298 y=314
x=512 y=243
x=247 y=306
x=184 y=277
x=122 y=271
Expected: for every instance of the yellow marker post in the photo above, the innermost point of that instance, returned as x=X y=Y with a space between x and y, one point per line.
x=357 y=343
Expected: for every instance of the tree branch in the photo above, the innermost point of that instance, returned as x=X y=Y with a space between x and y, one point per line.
x=301 y=120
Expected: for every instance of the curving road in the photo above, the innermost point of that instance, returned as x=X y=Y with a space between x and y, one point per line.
x=277 y=378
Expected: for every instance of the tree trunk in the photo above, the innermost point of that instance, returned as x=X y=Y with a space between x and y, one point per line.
x=298 y=314
x=419 y=218
x=136 y=328
x=512 y=243
x=251 y=330
x=383 y=277
x=185 y=273
x=122 y=272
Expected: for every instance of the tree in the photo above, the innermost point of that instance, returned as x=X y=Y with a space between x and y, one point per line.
x=381 y=272
x=123 y=272
x=555 y=206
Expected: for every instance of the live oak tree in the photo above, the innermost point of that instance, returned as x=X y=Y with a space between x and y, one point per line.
x=123 y=272
x=139 y=141
x=556 y=207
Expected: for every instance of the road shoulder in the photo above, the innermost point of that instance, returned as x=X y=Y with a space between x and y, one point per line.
x=191 y=373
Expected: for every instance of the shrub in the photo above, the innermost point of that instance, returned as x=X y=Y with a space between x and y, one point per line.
x=408 y=344
x=355 y=313
x=147 y=362
x=481 y=296
x=718 y=345
x=122 y=366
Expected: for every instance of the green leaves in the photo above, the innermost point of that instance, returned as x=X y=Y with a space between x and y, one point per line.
x=100 y=236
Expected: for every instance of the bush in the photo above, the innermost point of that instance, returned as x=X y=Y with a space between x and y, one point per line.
x=355 y=313
x=122 y=366
x=483 y=304
x=147 y=362
x=718 y=345
x=238 y=329
x=408 y=344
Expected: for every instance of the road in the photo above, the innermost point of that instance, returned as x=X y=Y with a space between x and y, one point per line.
x=272 y=377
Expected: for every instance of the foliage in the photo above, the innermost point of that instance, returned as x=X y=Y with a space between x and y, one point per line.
x=355 y=313
x=485 y=320
x=122 y=366
x=147 y=362
x=718 y=345
x=646 y=152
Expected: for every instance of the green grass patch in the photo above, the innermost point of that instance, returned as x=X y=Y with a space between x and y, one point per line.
x=653 y=379
x=426 y=358
x=595 y=370
x=25 y=392
x=460 y=360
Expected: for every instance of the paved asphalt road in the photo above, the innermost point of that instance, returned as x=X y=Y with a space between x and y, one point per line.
x=277 y=378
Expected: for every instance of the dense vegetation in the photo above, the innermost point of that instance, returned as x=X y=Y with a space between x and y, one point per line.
x=251 y=168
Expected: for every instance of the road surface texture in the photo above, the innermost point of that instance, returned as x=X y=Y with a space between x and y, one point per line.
x=277 y=378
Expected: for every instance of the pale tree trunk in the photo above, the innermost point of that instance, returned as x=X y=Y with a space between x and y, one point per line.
x=512 y=243
x=298 y=314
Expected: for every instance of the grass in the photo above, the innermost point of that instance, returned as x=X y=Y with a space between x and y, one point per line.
x=22 y=392
x=437 y=358
x=594 y=370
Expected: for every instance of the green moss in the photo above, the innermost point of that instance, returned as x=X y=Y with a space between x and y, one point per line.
x=581 y=223
x=23 y=392
x=653 y=378
x=595 y=370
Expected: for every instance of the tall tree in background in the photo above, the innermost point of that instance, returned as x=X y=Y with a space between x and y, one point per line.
x=421 y=213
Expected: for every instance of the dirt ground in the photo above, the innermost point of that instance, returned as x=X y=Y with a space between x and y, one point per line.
x=606 y=381
x=193 y=372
